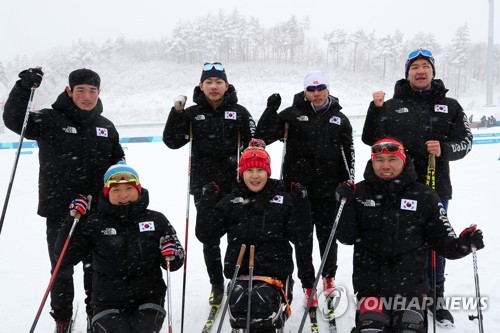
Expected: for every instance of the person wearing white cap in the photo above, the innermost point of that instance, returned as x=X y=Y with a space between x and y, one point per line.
x=319 y=155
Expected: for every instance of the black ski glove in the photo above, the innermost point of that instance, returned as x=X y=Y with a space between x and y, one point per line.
x=274 y=102
x=211 y=190
x=470 y=236
x=298 y=190
x=31 y=78
x=346 y=189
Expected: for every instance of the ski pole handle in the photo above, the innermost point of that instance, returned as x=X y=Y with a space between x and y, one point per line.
x=240 y=256
x=252 y=257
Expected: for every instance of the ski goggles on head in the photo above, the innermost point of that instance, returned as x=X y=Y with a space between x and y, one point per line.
x=252 y=153
x=319 y=87
x=419 y=52
x=209 y=65
x=390 y=147
x=125 y=178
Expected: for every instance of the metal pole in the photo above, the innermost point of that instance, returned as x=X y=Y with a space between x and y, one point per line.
x=323 y=260
x=231 y=285
x=186 y=238
x=16 y=159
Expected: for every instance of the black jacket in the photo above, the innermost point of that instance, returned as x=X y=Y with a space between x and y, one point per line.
x=313 y=156
x=270 y=220
x=215 y=138
x=415 y=117
x=393 y=225
x=76 y=148
x=126 y=259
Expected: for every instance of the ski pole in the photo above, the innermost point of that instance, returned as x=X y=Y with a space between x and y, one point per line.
x=169 y=297
x=231 y=285
x=479 y=316
x=323 y=260
x=351 y=177
x=431 y=182
x=188 y=201
x=285 y=138
x=58 y=265
x=16 y=159
x=238 y=152
x=250 y=283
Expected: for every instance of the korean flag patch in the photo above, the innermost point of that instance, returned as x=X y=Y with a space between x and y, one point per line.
x=335 y=120
x=102 y=131
x=277 y=199
x=230 y=115
x=441 y=108
x=146 y=226
x=407 y=204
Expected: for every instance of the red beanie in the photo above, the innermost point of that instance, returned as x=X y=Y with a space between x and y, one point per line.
x=255 y=156
x=389 y=146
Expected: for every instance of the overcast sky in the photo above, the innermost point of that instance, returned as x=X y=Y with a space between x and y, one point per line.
x=28 y=26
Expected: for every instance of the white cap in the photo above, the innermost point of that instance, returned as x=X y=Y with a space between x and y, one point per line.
x=313 y=78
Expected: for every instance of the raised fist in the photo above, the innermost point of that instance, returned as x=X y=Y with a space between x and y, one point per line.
x=31 y=78
x=179 y=102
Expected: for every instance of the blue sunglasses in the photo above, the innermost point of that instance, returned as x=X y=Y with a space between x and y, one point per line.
x=319 y=87
x=209 y=65
x=418 y=52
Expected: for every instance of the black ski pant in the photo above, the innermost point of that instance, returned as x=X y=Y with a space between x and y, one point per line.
x=212 y=256
x=146 y=318
x=323 y=212
x=62 y=292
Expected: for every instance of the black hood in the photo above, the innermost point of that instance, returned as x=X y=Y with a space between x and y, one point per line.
x=393 y=186
x=66 y=106
x=230 y=97
x=403 y=89
x=131 y=210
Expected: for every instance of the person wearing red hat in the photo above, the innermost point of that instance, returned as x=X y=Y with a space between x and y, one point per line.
x=260 y=212
x=129 y=244
x=393 y=221
x=74 y=138
x=429 y=123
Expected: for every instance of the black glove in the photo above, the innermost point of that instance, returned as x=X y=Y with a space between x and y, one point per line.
x=470 y=236
x=211 y=190
x=31 y=78
x=345 y=139
x=346 y=189
x=298 y=190
x=274 y=102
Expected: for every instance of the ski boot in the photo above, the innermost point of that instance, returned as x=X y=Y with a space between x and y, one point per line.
x=217 y=294
x=63 y=326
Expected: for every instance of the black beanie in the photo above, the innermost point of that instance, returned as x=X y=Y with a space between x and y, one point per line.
x=213 y=73
x=84 y=76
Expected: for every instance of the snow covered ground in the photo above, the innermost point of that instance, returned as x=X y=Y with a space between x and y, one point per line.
x=24 y=264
